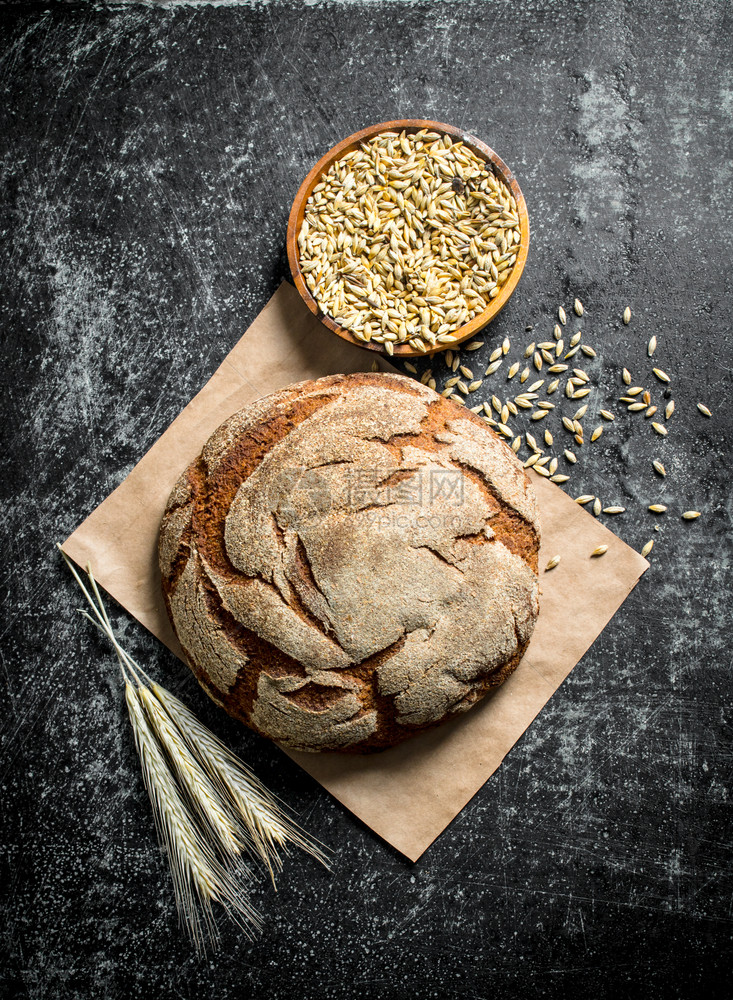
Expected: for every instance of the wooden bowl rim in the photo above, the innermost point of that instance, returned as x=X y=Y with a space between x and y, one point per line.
x=297 y=214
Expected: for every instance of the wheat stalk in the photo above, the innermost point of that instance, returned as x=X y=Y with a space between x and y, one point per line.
x=200 y=793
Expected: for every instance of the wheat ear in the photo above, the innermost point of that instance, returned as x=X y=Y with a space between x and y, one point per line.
x=194 y=866
x=198 y=874
x=234 y=807
x=270 y=827
x=192 y=777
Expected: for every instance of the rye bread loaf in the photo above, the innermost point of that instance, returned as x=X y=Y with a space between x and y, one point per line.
x=350 y=561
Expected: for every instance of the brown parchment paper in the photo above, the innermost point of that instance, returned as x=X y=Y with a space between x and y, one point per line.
x=408 y=794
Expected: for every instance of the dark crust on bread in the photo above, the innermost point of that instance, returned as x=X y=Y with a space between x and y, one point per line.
x=202 y=500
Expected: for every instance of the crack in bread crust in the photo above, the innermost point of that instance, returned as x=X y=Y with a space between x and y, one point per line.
x=351 y=561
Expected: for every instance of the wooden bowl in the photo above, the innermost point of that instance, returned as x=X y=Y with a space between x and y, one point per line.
x=297 y=213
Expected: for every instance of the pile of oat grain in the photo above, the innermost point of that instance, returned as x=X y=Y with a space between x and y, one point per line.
x=408 y=238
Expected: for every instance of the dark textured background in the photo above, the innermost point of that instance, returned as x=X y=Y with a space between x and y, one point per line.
x=149 y=158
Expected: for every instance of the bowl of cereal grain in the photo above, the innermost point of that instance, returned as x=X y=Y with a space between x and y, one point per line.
x=408 y=237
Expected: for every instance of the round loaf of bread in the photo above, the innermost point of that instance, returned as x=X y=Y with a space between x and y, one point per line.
x=350 y=561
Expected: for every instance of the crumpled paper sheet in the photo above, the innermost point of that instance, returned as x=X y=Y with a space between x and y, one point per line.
x=410 y=793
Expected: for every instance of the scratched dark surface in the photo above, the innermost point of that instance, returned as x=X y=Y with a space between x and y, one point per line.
x=149 y=158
